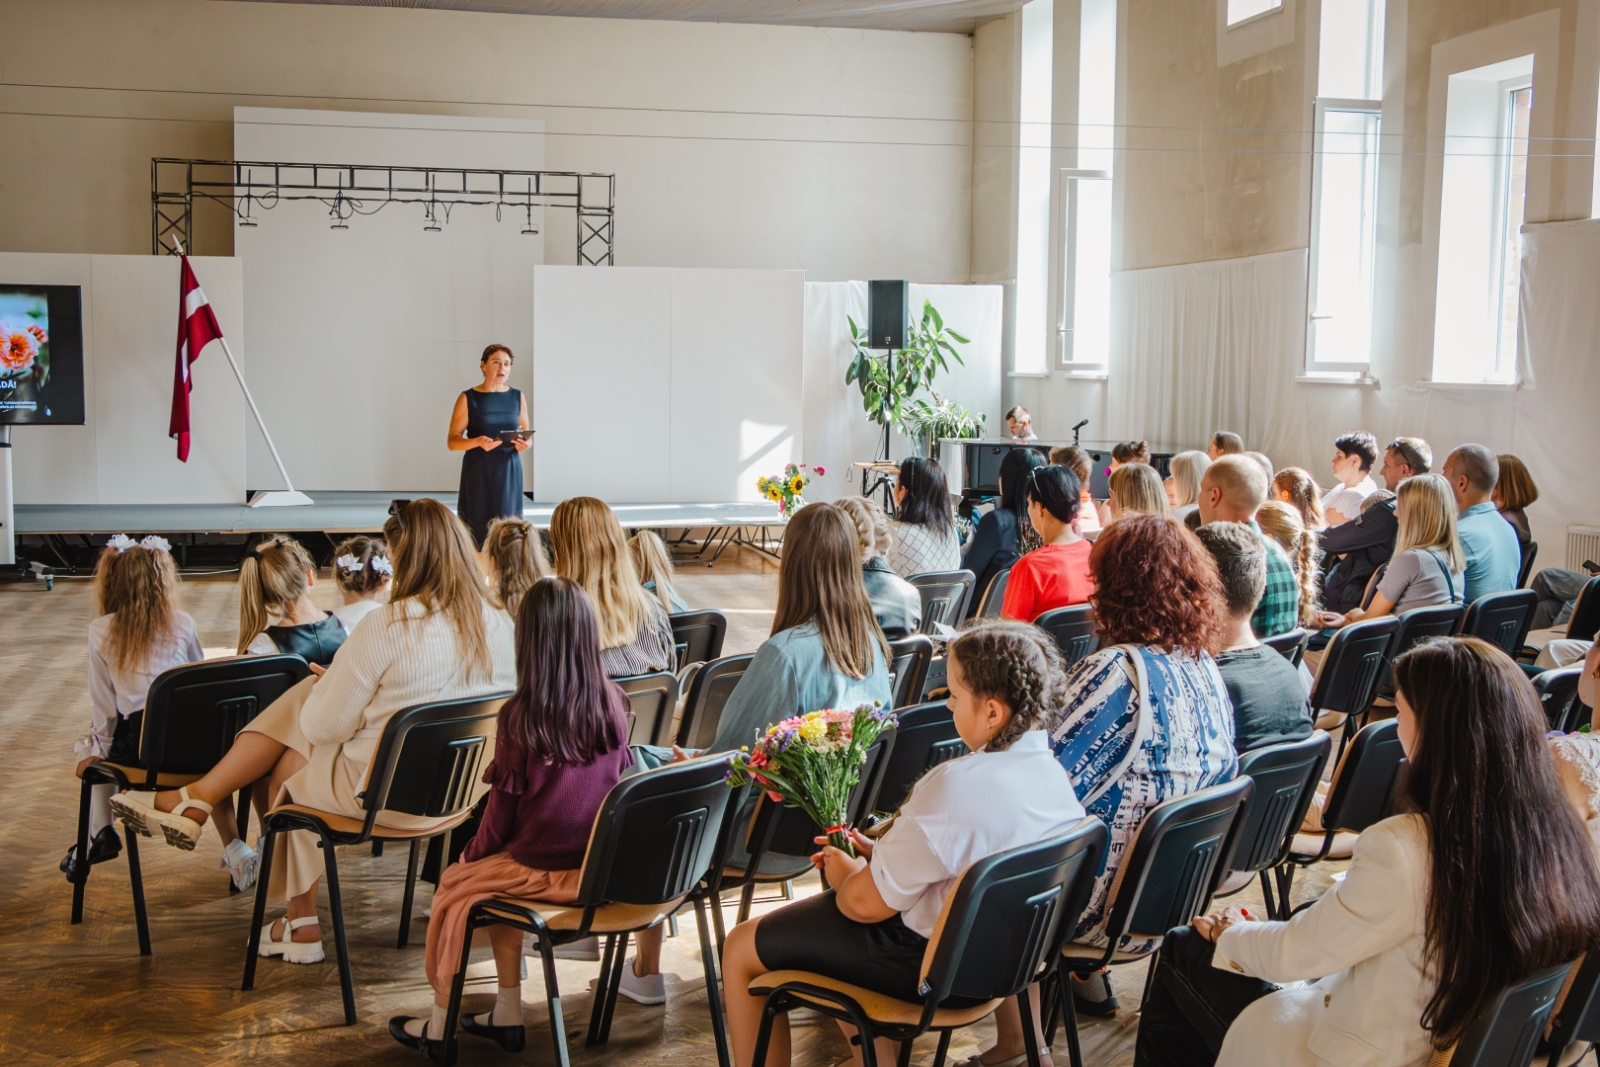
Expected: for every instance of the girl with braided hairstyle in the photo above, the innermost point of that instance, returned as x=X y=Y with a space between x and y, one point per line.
x=1283 y=524
x=871 y=929
x=516 y=560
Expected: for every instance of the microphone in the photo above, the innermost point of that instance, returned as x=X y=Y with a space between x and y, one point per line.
x=1075 y=430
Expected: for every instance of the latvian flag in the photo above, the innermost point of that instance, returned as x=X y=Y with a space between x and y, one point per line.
x=197 y=327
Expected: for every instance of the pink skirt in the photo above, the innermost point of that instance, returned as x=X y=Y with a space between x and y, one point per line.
x=465 y=884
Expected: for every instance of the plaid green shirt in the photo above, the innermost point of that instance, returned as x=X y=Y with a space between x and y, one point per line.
x=1279 y=610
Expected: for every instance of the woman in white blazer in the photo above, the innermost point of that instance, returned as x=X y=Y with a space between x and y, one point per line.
x=1440 y=908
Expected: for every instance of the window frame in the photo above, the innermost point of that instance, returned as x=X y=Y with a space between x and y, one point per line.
x=1506 y=368
x=1067 y=298
x=1314 y=366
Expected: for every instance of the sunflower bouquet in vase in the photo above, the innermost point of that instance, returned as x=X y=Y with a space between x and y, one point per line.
x=812 y=762
x=787 y=490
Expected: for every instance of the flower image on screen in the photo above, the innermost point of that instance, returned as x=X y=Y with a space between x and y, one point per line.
x=41 y=375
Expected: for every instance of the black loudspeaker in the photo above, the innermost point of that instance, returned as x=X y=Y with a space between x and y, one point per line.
x=887 y=308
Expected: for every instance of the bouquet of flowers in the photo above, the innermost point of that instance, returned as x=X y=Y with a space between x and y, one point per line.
x=787 y=489
x=812 y=761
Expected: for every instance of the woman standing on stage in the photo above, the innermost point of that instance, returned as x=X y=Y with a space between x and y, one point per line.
x=491 y=472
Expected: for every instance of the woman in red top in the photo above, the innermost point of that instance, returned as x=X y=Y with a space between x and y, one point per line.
x=1057 y=573
x=561 y=747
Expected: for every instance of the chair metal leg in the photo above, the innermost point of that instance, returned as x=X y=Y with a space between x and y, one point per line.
x=377 y=848
x=746 y=896
x=708 y=960
x=1029 y=1045
x=347 y=984
x=903 y=1056
x=1285 y=883
x=81 y=878
x=601 y=985
x=241 y=805
x=410 y=893
x=552 y=995
x=944 y=1049
x=1050 y=1005
x=614 y=989
x=141 y=917
x=1069 y=1019
x=1149 y=976
x=769 y=1012
x=452 y=1012
x=1267 y=896
x=717 y=919
x=260 y=913
x=788 y=889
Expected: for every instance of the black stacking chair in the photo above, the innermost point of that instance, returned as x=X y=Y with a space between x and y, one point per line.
x=1167 y=878
x=1285 y=778
x=1352 y=664
x=1502 y=619
x=1074 y=630
x=1002 y=928
x=1414 y=627
x=698 y=635
x=1291 y=646
x=651 y=701
x=994 y=594
x=1507 y=1032
x=925 y=737
x=653 y=842
x=191 y=716
x=1360 y=793
x=1558 y=694
x=1529 y=554
x=429 y=759
x=710 y=690
x=909 y=659
x=1585 y=619
x=944 y=597
x=1577 y=1011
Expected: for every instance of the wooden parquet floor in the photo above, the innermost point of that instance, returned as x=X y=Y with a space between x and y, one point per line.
x=83 y=995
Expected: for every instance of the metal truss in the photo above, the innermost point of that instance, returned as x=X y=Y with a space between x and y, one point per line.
x=248 y=188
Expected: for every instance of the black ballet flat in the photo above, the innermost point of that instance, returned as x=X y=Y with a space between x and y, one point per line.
x=103 y=846
x=510 y=1038
x=433 y=1051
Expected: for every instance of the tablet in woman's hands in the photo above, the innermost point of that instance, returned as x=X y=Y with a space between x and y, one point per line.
x=515 y=435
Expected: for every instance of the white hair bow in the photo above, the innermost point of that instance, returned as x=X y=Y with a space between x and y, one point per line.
x=381 y=564
x=150 y=543
x=347 y=562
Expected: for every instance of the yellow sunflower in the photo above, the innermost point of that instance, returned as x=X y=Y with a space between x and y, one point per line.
x=797 y=484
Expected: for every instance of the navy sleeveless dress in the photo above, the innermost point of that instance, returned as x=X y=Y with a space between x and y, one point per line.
x=491 y=482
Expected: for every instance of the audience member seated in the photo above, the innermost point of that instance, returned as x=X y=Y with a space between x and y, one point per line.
x=1081 y=464
x=137 y=633
x=1183 y=485
x=1578 y=754
x=1019 y=425
x=872 y=928
x=1147 y=717
x=588 y=547
x=1440 y=908
x=560 y=747
x=653 y=563
x=1514 y=492
x=1268 y=697
x=996 y=544
x=826 y=650
x=1224 y=443
x=1353 y=457
x=896 y=604
x=924 y=531
x=438 y=638
x=1261 y=461
x=1494 y=558
x=1281 y=524
x=276 y=612
x=1136 y=489
x=1233 y=489
x=1295 y=486
x=1057 y=573
x=515 y=557
x=1353 y=552
x=362 y=571
x=1126 y=452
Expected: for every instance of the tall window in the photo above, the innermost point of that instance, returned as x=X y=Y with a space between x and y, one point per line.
x=1517 y=109
x=1033 y=189
x=1084 y=327
x=1245 y=10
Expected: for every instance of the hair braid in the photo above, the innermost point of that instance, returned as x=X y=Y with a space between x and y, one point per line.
x=1017 y=664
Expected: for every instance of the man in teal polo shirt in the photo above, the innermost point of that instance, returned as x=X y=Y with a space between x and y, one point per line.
x=1490 y=542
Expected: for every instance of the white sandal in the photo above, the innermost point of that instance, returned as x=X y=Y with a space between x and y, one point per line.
x=291 y=950
x=138 y=810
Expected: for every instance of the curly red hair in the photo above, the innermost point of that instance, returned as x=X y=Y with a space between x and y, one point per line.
x=1155 y=584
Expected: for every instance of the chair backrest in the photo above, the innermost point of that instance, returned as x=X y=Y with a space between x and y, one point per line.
x=1362 y=789
x=944 y=597
x=1502 y=619
x=1558 y=694
x=925 y=738
x=710 y=690
x=1351 y=666
x=1529 y=554
x=1179 y=854
x=1585 y=619
x=651 y=700
x=1416 y=626
x=1011 y=913
x=909 y=660
x=1507 y=1032
x=655 y=835
x=1291 y=646
x=776 y=829
x=1074 y=630
x=1577 y=1012
x=698 y=635
x=192 y=713
x=430 y=757
x=994 y=594
x=1285 y=778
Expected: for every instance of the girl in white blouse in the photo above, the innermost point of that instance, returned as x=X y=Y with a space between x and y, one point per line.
x=362 y=571
x=873 y=927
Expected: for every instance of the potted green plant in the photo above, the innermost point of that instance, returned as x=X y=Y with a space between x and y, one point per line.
x=929 y=346
x=927 y=424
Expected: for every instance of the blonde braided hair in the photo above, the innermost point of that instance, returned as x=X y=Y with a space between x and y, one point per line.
x=1016 y=664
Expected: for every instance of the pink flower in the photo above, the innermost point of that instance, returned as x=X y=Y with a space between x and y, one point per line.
x=819 y=469
x=38 y=334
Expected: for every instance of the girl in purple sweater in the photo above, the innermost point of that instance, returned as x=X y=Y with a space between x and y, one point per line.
x=561 y=746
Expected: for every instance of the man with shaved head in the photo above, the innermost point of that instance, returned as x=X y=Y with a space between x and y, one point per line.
x=1490 y=543
x=1231 y=490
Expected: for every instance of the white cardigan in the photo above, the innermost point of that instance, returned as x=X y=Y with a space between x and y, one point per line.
x=1364 y=941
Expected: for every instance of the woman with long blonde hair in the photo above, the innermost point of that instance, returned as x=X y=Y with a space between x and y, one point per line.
x=1428 y=566
x=276 y=612
x=1136 y=489
x=1282 y=523
x=654 y=564
x=1295 y=486
x=516 y=561
x=1183 y=485
x=588 y=546
x=438 y=638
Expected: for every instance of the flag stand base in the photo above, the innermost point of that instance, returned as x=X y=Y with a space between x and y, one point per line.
x=280 y=498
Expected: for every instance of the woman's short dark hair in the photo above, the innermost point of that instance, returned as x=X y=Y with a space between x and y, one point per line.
x=1015 y=466
x=1360 y=443
x=1057 y=490
x=1131 y=452
x=1155 y=584
x=927 y=501
x=492 y=349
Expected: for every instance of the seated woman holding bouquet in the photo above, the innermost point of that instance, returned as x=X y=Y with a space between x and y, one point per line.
x=587 y=546
x=872 y=928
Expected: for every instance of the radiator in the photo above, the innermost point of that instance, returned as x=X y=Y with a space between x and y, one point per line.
x=1583 y=543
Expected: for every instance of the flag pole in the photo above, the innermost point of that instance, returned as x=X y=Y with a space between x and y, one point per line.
x=286 y=498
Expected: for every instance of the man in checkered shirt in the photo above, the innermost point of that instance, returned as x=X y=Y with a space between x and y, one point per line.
x=1230 y=491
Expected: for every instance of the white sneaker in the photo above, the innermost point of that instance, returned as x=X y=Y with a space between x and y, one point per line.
x=291 y=950
x=242 y=863
x=649 y=990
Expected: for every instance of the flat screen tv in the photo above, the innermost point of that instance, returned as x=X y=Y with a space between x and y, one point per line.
x=41 y=354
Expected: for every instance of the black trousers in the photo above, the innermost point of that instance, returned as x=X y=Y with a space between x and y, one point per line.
x=1191 y=1004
